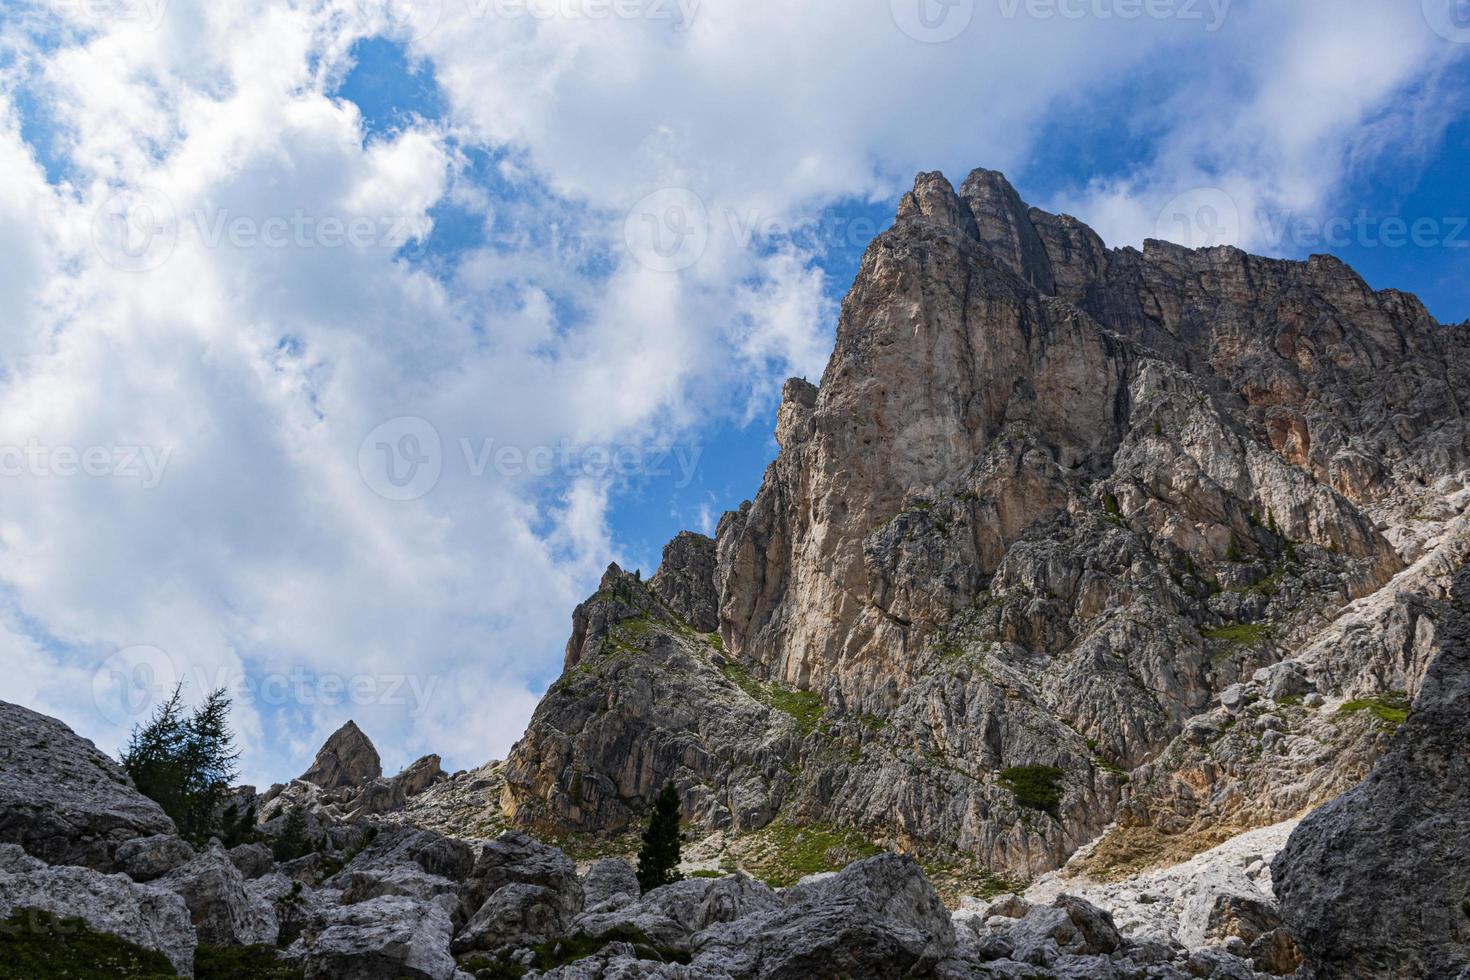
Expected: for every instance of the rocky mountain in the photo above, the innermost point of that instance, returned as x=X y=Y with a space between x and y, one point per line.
x=1070 y=542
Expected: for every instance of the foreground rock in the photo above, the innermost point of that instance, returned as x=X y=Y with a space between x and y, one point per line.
x=64 y=801
x=224 y=912
x=879 y=918
x=1377 y=882
x=149 y=917
x=389 y=938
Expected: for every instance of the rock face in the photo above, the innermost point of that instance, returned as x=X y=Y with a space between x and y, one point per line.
x=1377 y=882
x=347 y=760
x=64 y=801
x=1051 y=506
x=144 y=915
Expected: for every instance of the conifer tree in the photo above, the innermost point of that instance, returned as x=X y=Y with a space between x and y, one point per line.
x=658 y=861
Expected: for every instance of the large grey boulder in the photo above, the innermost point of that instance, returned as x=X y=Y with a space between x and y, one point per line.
x=63 y=800
x=670 y=916
x=515 y=858
x=223 y=910
x=395 y=846
x=347 y=760
x=147 y=858
x=144 y=915
x=610 y=884
x=1376 y=883
x=389 y=938
x=879 y=918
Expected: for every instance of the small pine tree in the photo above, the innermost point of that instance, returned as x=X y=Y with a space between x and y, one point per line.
x=658 y=861
x=185 y=764
x=292 y=843
x=1232 y=554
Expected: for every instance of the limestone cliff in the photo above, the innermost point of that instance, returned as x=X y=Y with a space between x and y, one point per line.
x=1049 y=503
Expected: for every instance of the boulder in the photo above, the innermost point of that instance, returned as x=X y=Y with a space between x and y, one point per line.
x=515 y=858
x=407 y=880
x=395 y=846
x=147 y=858
x=63 y=800
x=347 y=760
x=670 y=916
x=223 y=911
x=388 y=938
x=610 y=884
x=1224 y=902
x=1376 y=883
x=515 y=915
x=879 y=918
x=420 y=775
x=253 y=860
x=144 y=915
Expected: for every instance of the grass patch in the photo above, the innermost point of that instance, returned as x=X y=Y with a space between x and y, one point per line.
x=1036 y=787
x=35 y=944
x=804 y=707
x=1241 y=634
x=560 y=952
x=1391 y=710
x=783 y=854
x=242 y=963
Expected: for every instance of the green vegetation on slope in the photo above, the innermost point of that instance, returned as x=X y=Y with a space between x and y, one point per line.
x=1391 y=709
x=1036 y=787
x=35 y=944
x=803 y=706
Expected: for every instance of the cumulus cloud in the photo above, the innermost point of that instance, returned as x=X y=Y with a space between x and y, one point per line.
x=379 y=483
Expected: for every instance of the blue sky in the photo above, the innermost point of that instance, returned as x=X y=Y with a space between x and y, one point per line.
x=350 y=342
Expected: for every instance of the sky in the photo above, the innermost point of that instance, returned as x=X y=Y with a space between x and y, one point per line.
x=346 y=342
